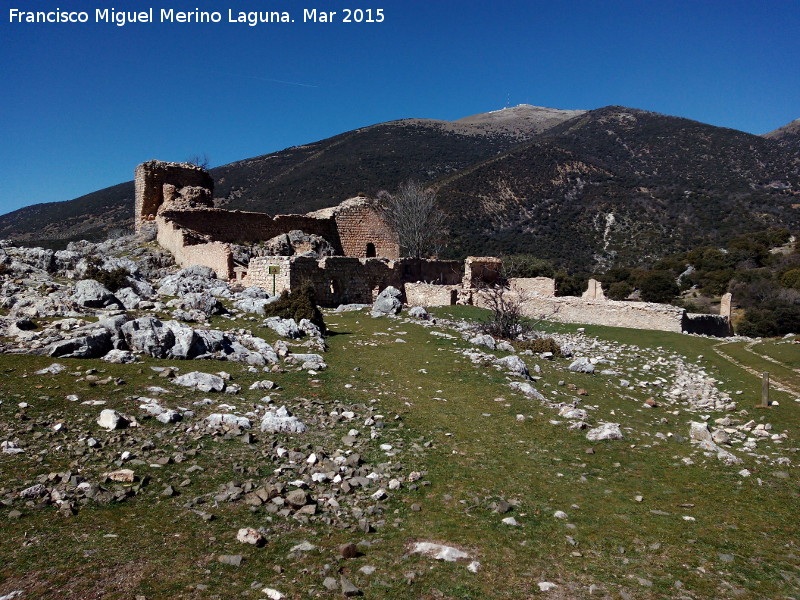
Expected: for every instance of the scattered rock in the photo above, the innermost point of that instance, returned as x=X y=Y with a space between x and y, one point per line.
x=248 y=535
x=606 y=431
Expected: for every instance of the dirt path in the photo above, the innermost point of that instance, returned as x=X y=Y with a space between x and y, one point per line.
x=775 y=383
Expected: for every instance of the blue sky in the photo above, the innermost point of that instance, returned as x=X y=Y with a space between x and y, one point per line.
x=82 y=104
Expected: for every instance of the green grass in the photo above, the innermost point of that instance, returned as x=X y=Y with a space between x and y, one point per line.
x=787 y=353
x=164 y=550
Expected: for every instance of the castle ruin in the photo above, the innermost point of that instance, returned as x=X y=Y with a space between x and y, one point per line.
x=177 y=199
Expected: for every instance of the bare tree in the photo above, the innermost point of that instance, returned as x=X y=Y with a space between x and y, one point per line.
x=199 y=160
x=414 y=214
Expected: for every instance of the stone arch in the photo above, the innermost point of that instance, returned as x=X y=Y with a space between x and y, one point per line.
x=371 y=252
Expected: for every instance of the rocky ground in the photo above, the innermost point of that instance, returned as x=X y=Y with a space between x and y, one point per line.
x=292 y=464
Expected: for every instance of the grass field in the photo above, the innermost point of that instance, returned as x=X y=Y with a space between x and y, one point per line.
x=641 y=522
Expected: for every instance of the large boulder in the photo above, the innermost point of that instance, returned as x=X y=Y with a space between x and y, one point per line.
x=606 y=431
x=418 y=312
x=281 y=420
x=527 y=389
x=38 y=258
x=227 y=422
x=148 y=335
x=92 y=345
x=515 y=365
x=483 y=339
x=307 y=361
x=387 y=303
x=93 y=294
x=201 y=301
x=255 y=305
x=205 y=382
x=130 y=299
x=287 y=328
x=196 y=278
x=699 y=432
x=582 y=365
x=186 y=343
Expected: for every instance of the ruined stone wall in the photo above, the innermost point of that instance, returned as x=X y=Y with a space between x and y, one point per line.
x=190 y=251
x=428 y=294
x=149 y=180
x=347 y=280
x=480 y=270
x=702 y=324
x=363 y=233
x=235 y=226
x=634 y=315
x=725 y=305
x=258 y=273
x=594 y=291
x=544 y=286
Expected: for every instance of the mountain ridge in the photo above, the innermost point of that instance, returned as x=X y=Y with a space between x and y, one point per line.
x=533 y=177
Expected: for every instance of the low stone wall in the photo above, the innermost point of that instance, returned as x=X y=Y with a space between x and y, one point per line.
x=634 y=315
x=215 y=255
x=544 y=286
x=429 y=294
x=570 y=309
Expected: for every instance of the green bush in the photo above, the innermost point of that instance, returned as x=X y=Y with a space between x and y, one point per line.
x=568 y=285
x=770 y=321
x=526 y=265
x=658 y=286
x=791 y=279
x=114 y=279
x=619 y=290
x=298 y=304
x=539 y=345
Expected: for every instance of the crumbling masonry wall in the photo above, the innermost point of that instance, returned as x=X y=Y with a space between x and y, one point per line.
x=234 y=226
x=348 y=280
x=364 y=234
x=149 y=180
x=481 y=270
x=190 y=251
x=544 y=286
x=429 y=294
x=633 y=315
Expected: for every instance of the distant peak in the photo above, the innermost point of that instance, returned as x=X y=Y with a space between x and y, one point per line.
x=790 y=129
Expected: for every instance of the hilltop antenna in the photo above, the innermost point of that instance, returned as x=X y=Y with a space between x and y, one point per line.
x=508 y=99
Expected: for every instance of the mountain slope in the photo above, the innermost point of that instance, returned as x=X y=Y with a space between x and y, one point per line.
x=619 y=185
x=312 y=176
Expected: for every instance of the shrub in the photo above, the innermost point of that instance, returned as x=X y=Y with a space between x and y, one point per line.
x=506 y=319
x=791 y=279
x=526 y=265
x=539 y=345
x=619 y=290
x=658 y=286
x=766 y=322
x=114 y=279
x=298 y=304
x=567 y=285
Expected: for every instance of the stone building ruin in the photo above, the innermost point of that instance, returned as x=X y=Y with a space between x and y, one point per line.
x=177 y=199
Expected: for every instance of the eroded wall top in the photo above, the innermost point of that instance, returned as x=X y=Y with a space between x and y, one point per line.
x=150 y=178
